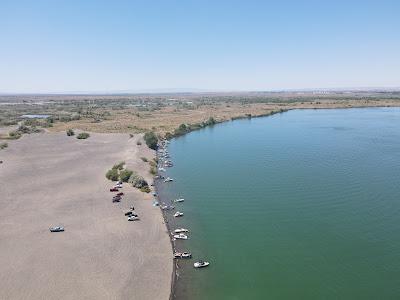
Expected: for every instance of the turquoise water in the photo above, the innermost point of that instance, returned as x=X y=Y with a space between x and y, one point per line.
x=300 y=205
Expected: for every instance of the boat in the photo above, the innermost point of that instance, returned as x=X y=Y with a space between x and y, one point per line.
x=183 y=255
x=168 y=179
x=201 y=264
x=178 y=214
x=181 y=236
x=56 y=229
x=179 y=230
x=167 y=207
x=179 y=200
x=133 y=218
x=161 y=169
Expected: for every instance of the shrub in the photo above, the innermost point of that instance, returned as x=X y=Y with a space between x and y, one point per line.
x=119 y=166
x=70 y=132
x=144 y=159
x=83 y=135
x=131 y=135
x=151 y=140
x=14 y=135
x=153 y=170
x=3 y=145
x=124 y=175
x=145 y=189
x=137 y=181
x=112 y=174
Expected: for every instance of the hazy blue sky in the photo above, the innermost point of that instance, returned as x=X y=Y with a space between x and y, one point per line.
x=50 y=46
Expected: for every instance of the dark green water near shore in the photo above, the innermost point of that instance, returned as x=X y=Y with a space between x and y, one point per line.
x=300 y=205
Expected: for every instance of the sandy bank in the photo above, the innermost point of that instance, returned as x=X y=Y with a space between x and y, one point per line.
x=52 y=179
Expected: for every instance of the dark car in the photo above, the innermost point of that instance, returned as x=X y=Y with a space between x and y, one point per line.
x=113 y=189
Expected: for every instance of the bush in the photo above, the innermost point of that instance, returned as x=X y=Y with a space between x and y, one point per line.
x=3 y=145
x=151 y=140
x=70 y=132
x=153 y=170
x=119 y=166
x=112 y=174
x=83 y=136
x=14 y=135
x=144 y=159
x=145 y=189
x=124 y=175
x=137 y=181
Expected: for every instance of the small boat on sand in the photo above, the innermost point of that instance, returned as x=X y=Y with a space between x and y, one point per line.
x=133 y=218
x=181 y=236
x=201 y=264
x=183 y=255
x=178 y=214
x=56 y=229
x=181 y=230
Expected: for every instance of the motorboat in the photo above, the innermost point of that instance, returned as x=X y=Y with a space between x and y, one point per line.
x=168 y=179
x=201 y=264
x=167 y=207
x=183 y=255
x=56 y=229
x=133 y=218
x=181 y=236
x=180 y=230
x=179 y=200
x=178 y=214
x=162 y=169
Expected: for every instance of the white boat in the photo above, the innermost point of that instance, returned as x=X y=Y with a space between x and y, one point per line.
x=201 y=264
x=178 y=214
x=161 y=169
x=168 y=179
x=179 y=230
x=179 y=200
x=181 y=236
x=183 y=255
x=133 y=218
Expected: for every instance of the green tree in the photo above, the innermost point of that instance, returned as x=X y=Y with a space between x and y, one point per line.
x=151 y=140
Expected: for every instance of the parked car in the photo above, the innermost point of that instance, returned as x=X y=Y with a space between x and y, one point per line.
x=113 y=189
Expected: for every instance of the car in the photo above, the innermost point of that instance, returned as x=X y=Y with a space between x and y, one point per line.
x=120 y=194
x=56 y=229
x=113 y=189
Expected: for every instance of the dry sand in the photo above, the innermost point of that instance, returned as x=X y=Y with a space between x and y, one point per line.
x=51 y=179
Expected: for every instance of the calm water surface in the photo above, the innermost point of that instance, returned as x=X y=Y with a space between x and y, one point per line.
x=300 y=205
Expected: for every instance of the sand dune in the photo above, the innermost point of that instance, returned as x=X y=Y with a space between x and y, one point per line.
x=52 y=179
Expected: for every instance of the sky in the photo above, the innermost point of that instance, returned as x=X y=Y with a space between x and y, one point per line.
x=116 y=46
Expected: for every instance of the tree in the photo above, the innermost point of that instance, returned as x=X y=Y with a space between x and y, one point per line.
x=151 y=140
x=112 y=174
x=125 y=174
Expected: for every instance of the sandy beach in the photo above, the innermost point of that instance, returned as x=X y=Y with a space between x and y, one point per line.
x=51 y=179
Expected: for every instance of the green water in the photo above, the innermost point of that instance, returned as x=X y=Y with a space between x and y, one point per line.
x=300 y=205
